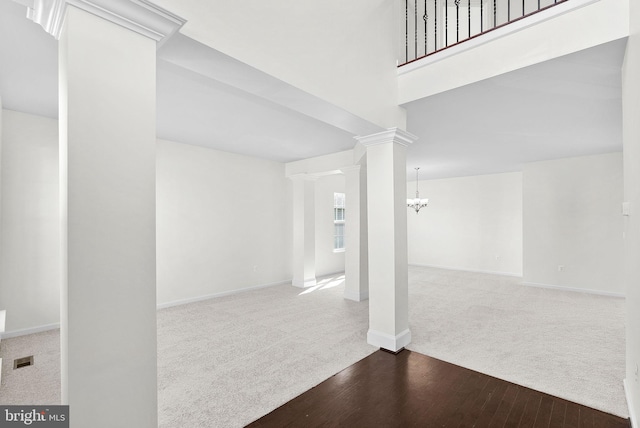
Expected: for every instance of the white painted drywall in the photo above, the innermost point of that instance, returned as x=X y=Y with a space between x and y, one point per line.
x=30 y=245
x=327 y=261
x=471 y=223
x=599 y=22
x=341 y=51
x=631 y=141
x=572 y=218
x=223 y=222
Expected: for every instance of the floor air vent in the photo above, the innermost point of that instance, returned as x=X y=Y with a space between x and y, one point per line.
x=18 y=363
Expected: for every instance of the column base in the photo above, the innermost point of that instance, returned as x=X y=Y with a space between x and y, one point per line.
x=357 y=296
x=387 y=341
x=304 y=283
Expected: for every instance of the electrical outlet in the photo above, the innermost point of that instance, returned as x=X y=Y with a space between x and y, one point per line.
x=560 y=268
x=497 y=257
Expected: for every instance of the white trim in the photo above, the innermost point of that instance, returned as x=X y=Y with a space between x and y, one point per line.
x=387 y=341
x=468 y=270
x=31 y=330
x=508 y=29
x=574 y=289
x=221 y=294
x=306 y=283
x=391 y=135
x=632 y=414
x=3 y=317
x=56 y=326
x=140 y=16
x=356 y=296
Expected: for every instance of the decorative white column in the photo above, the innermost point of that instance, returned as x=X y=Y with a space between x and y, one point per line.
x=107 y=66
x=304 y=230
x=356 y=265
x=387 y=226
x=631 y=209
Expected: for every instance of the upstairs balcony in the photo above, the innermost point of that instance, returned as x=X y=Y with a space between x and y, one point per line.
x=447 y=44
x=431 y=26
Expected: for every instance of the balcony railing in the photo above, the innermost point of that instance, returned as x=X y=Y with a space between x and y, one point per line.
x=433 y=25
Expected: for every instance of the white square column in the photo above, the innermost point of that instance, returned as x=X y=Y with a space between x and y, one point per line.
x=356 y=264
x=107 y=168
x=387 y=226
x=107 y=126
x=304 y=230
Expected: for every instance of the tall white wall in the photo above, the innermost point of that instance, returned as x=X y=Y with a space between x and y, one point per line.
x=327 y=261
x=471 y=223
x=631 y=141
x=341 y=51
x=30 y=244
x=223 y=222
x=572 y=218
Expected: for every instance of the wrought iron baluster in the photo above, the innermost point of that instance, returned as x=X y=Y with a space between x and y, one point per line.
x=415 y=26
x=538 y=4
x=469 y=18
x=495 y=24
x=522 y=7
x=425 y=17
x=406 y=30
x=457 y=3
x=481 y=16
x=435 y=25
x=508 y=10
x=446 y=23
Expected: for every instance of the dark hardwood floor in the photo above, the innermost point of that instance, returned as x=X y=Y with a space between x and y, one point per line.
x=412 y=390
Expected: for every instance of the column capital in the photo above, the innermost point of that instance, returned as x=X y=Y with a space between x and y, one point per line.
x=391 y=135
x=140 y=16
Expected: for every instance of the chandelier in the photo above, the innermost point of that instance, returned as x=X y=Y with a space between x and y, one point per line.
x=417 y=203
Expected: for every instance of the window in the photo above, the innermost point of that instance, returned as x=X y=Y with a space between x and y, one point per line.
x=338 y=222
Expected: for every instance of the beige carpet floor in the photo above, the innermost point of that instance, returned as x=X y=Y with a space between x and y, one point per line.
x=227 y=361
x=567 y=344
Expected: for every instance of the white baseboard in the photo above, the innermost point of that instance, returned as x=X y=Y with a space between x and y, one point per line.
x=356 y=296
x=221 y=294
x=632 y=415
x=387 y=341
x=38 y=329
x=31 y=330
x=468 y=270
x=305 y=283
x=575 y=289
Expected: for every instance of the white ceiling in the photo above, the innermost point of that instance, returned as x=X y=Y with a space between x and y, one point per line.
x=566 y=107
x=570 y=106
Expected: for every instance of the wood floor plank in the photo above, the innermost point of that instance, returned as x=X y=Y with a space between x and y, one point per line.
x=544 y=412
x=459 y=405
x=473 y=412
x=530 y=411
x=492 y=404
x=413 y=390
x=513 y=420
x=586 y=418
x=572 y=416
x=558 y=413
x=508 y=400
